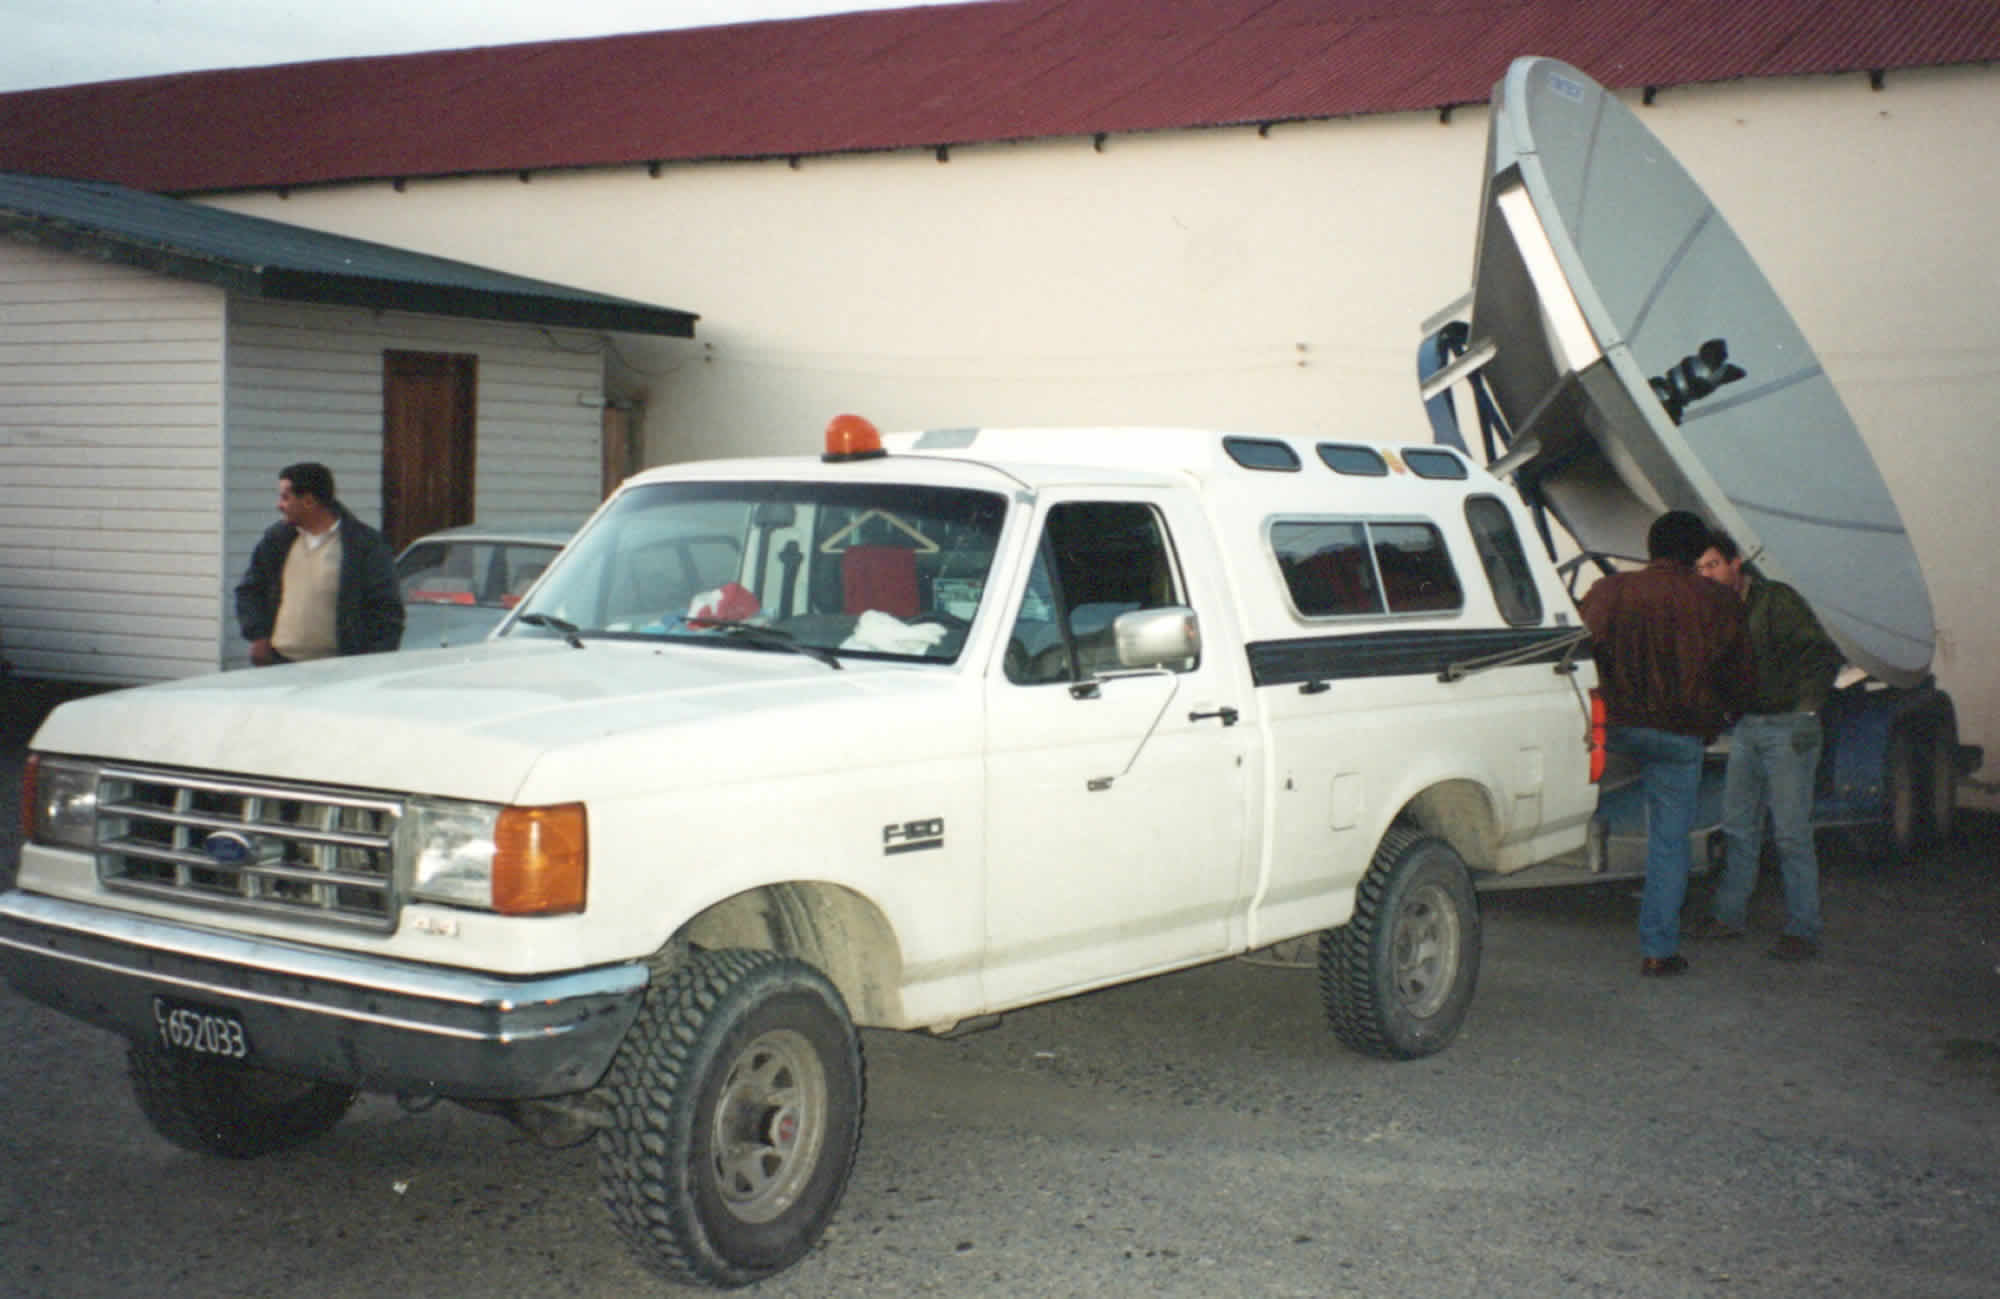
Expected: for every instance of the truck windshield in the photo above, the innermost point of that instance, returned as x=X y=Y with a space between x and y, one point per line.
x=880 y=570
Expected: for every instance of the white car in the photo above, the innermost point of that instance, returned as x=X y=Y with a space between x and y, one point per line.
x=458 y=583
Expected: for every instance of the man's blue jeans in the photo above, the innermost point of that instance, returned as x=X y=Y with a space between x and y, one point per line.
x=1772 y=760
x=1670 y=774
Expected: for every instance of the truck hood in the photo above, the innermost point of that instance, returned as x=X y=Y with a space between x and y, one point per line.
x=466 y=722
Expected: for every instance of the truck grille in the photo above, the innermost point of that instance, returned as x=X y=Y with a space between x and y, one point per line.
x=316 y=855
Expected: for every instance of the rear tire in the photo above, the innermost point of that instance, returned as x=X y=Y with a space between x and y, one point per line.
x=736 y=1103
x=213 y=1107
x=1397 y=979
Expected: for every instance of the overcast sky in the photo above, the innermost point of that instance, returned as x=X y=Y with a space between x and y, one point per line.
x=62 y=42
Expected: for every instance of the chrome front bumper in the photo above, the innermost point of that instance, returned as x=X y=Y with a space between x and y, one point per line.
x=392 y=1026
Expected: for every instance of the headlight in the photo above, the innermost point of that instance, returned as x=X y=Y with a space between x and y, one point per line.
x=452 y=845
x=519 y=861
x=59 y=802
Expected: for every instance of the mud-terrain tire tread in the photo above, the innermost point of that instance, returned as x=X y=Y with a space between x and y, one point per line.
x=1356 y=975
x=215 y=1108
x=661 y=1090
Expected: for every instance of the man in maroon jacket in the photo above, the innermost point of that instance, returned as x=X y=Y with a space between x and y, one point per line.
x=1673 y=663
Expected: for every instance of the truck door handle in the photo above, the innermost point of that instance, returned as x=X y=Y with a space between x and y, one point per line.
x=1226 y=713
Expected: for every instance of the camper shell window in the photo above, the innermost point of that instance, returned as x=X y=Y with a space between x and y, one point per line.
x=1262 y=453
x=1506 y=564
x=1346 y=458
x=1433 y=463
x=1343 y=568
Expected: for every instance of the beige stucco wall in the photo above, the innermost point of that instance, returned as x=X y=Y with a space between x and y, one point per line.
x=1239 y=279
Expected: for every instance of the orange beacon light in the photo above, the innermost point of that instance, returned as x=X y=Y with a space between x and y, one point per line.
x=850 y=437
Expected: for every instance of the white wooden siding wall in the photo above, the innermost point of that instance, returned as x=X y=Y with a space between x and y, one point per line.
x=110 y=452
x=305 y=383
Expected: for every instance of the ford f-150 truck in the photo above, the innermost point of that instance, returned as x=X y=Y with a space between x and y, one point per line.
x=904 y=735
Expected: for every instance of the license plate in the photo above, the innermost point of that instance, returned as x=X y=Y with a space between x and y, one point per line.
x=200 y=1030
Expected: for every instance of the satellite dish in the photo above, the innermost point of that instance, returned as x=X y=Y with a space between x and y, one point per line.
x=1639 y=362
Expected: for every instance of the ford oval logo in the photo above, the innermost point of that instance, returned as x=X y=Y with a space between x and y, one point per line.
x=228 y=848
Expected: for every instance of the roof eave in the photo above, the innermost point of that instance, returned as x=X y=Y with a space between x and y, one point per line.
x=283 y=284
x=62 y=237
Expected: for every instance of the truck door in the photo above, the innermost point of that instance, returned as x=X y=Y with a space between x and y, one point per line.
x=1117 y=824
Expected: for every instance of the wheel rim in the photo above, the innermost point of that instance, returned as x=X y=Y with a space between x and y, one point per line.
x=1426 y=951
x=770 y=1121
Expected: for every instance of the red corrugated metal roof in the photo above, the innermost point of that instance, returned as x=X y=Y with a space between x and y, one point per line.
x=1013 y=69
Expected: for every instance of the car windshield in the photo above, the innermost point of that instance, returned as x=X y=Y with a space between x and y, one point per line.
x=880 y=570
x=484 y=573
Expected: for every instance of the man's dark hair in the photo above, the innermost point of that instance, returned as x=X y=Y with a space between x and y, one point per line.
x=1677 y=535
x=309 y=478
x=1725 y=545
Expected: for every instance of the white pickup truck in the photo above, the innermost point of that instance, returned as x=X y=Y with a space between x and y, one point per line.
x=900 y=736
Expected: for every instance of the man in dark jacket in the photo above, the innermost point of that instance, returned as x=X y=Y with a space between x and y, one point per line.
x=320 y=582
x=1674 y=666
x=1773 y=754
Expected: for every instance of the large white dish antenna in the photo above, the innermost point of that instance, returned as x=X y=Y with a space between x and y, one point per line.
x=1642 y=362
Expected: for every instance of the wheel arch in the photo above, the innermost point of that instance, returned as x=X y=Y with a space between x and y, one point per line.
x=834 y=929
x=1461 y=812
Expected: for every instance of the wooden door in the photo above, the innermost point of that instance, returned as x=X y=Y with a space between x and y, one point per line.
x=620 y=450
x=428 y=409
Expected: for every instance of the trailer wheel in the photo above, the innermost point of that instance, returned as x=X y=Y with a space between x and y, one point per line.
x=214 y=1107
x=1921 y=786
x=1397 y=979
x=1943 y=783
x=736 y=1103
x=1904 y=825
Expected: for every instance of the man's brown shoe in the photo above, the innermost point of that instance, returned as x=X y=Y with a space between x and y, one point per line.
x=1663 y=967
x=1790 y=947
x=1707 y=928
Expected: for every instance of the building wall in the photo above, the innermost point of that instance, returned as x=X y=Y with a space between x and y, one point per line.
x=118 y=558
x=110 y=456
x=305 y=383
x=1256 y=280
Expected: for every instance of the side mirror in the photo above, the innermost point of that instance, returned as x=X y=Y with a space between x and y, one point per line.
x=1154 y=638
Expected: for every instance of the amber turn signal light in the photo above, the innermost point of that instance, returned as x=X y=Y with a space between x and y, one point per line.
x=541 y=859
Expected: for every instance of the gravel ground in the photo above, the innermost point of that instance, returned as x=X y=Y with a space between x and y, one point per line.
x=1753 y=1129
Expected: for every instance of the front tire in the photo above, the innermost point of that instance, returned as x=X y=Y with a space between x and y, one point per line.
x=736 y=1103
x=1397 y=979
x=213 y=1107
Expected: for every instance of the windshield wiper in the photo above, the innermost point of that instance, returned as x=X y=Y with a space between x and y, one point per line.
x=758 y=634
x=568 y=629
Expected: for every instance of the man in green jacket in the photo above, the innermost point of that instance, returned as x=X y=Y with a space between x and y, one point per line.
x=1773 y=754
